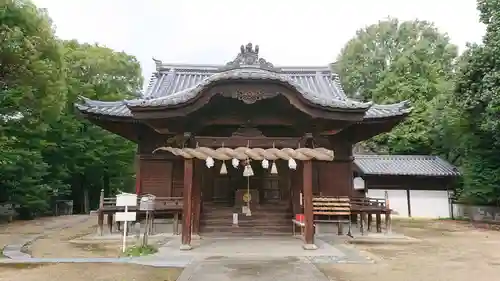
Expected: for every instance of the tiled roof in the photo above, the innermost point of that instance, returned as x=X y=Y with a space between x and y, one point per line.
x=175 y=88
x=176 y=84
x=404 y=165
x=109 y=108
x=174 y=79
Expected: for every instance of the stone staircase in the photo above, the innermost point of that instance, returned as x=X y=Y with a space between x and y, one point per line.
x=266 y=219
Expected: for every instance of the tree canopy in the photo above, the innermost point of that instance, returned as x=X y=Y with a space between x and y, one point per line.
x=476 y=108
x=392 y=61
x=456 y=100
x=46 y=151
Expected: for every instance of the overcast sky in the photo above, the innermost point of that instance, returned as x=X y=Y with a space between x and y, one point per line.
x=291 y=32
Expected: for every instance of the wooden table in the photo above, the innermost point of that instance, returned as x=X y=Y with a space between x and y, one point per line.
x=363 y=210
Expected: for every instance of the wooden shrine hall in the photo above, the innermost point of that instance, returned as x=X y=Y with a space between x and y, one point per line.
x=246 y=144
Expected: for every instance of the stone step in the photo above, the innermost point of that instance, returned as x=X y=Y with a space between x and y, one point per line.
x=246 y=234
x=243 y=231
x=248 y=228
x=247 y=223
x=244 y=217
x=258 y=207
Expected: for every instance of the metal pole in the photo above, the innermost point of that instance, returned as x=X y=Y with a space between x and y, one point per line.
x=125 y=232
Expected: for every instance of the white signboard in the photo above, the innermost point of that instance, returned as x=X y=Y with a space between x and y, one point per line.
x=125 y=216
x=235 y=218
x=126 y=199
x=359 y=183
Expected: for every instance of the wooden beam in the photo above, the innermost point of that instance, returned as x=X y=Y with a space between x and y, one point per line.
x=254 y=120
x=307 y=181
x=255 y=142
x=187 y=206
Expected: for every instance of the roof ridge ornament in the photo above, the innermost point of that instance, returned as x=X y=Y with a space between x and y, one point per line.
x=158 y=64
x=249 y=57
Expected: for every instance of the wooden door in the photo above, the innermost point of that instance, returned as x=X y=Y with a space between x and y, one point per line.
x=271 y=191
x=222 y=190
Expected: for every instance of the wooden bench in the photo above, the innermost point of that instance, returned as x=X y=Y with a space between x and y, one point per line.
x=7 y=212
x=328 y=209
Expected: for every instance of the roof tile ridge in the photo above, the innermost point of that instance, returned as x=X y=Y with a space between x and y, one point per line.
x=170 y=78
x=401 y=104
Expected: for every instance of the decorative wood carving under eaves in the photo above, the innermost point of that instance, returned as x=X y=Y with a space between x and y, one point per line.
x=250 y=97
x=249 y=57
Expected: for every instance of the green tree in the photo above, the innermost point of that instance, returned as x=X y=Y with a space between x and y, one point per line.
x=32 y=91
x=393 y=61
x=477 y=102
x=83 y=157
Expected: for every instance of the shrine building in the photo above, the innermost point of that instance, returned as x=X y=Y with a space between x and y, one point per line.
x=244 y=136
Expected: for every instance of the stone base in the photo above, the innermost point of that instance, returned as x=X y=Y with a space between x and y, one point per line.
x=185 y=247
x=309 y=247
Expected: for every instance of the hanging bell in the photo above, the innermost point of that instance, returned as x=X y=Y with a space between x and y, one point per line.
x=223 y=169
x=235 y=162
x=209 y=162
x=265 y=164
x=274 y=170
x=292 y=164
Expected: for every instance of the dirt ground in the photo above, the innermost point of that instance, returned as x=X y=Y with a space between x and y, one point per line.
x=55 y=244
x=12 y=233
x=86 y=272
x=44 y=247
x=449 y=251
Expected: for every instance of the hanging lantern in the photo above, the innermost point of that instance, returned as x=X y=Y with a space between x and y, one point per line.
x=235 y=162
x=209 y=162
x=292 y=164
x=223 y=169
x=274 y=170
x=248 y=172
x=265 y=164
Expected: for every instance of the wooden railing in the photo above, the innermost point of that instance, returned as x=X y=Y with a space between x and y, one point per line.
x=365 y=207
x=161 y=204
x=368 y=202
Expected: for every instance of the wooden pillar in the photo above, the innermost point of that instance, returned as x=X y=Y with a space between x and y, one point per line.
x=187 y=204
x=307 y=181
x=198 y=166
x=137 y=175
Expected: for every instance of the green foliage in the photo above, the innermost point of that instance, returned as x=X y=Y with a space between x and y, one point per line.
x=32 y=91
x=456 y=100
x=46 y=151
x=392 y=61
x=139 y=251
x=476 y=101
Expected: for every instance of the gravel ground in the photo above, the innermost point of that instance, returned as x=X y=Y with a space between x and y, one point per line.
x=449 y=251
x=86 y=272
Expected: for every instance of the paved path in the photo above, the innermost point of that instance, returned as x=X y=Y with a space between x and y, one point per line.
x=261 y=269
